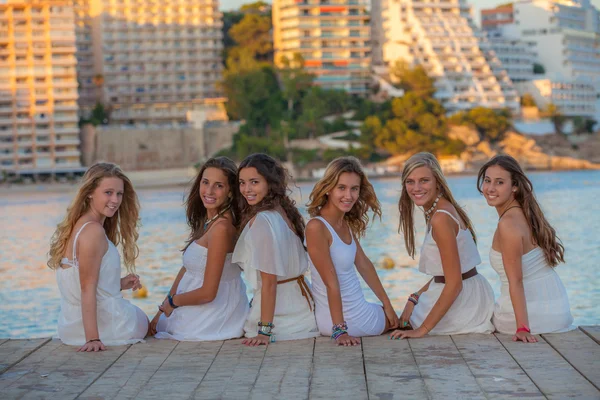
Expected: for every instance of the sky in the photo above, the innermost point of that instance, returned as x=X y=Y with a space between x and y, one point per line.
x=477 y=4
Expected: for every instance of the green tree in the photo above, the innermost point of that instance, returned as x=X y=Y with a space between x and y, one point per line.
x=538 y=69
x=295 y=81
x=369 y=130
x=413 y=79
x=490 y=124
x=527 y=100
x=558 y=120
x=253 y=33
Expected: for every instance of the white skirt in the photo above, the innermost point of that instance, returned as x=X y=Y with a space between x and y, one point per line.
x=471 y=312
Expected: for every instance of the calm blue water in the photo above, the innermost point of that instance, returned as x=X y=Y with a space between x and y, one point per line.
x=29 y=298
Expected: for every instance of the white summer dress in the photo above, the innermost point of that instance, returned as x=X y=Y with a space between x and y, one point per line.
x=472 y=310
x=545 y=295
x=270 y=246
x=221 y=319
x=363 y=318
x=119 y=321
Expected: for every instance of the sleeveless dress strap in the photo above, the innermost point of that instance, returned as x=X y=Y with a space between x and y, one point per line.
x=75 y=243
x=329 y=227
x=451 y=216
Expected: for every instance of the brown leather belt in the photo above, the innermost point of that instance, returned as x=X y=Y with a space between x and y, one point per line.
x=469 y=274
x=303 y=288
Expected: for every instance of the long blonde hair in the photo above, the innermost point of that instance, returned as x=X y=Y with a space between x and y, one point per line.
x=542 y=232
x=406 y=206
x=357 y=218
x=121 y=228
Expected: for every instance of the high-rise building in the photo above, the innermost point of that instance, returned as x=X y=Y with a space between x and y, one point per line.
x=440 y=36
x=148 y=61
x=39 y=130
x=494 y=17
x=517 y=56
x=332 y=36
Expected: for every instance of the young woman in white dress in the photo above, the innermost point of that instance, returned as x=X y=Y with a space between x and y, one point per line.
x=524 y=251
x=207 y=300
x=103 y=214
x=338 y=205
x=457 y=299
x=271 y=253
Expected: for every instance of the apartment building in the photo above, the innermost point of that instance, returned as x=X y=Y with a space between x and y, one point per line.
x=332 y=36
x=148 y=61
x=39 y=131
x=572 y=98
x=441 y=36
x=516 y=56
x=493 y=18
x=565 y=35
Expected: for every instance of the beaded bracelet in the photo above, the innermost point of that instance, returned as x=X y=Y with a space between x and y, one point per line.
x=338 y=330
x=270 y=335
x=269 y=324
x=414 y=298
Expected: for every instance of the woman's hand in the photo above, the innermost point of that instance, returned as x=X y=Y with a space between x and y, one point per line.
x=391 y=316
x=153 y=323
x=258 y=340
x=347 y=340
x=405 y=317
x=131 y=281
x=166 y=308
x=417 y=333
x=94 y=346
x=524 y=337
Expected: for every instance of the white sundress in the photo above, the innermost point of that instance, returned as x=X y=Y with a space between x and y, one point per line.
x=363 y=318
x=472 y=310
x=270 y=246
x=119 y=321
x=221 y=319
x=547 y=302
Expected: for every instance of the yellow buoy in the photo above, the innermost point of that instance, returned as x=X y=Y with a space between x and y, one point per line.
x=387 y=263
x=141 y=293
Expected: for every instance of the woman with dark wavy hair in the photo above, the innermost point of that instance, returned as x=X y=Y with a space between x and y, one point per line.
x=339 y=206
x=271 y=253
x=524 y=250
x=208 y=299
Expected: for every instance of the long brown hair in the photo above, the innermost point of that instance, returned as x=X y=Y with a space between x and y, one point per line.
x=542 y=232
x=406 y=206
x=357 y=218
x=277 y=178
x=122 y=228
x=195 y=210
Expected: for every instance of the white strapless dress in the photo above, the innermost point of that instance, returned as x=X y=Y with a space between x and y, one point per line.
x=119 y=321
x=221 y=319
x=548 y=307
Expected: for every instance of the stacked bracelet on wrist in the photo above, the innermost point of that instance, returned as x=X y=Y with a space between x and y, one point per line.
x=524 y=328
x=338 y=330
x=171 y=301
x=93 y=340
x=266 y=329
x=414 y=298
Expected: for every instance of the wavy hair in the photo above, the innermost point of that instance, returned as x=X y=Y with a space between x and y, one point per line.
x=406 y=206
x=277 y=178
x=195 y=210
x=542 y=232
x=357 y=218
x=122 y=228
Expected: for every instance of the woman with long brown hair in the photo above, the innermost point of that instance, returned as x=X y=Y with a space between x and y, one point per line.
x=103 y=215
x=524 y=251
x=271 y=253
x=339 y=205
x=208 y=299
x=457 y=299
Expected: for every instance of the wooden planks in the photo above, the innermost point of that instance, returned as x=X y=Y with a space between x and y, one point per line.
x=338 y=372
x=132 y=371
x=391 y=369
x=233 y=372
x=495 y=370
x=56 y=370
x=286 y=371
x=580 y=351
x=13 y=351
x=554 y=376
x=592 y=331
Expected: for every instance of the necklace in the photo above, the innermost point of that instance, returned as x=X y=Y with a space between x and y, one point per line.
x=207 y=223
x=428 y=212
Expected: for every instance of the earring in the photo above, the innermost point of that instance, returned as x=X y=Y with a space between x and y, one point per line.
x=514 y=190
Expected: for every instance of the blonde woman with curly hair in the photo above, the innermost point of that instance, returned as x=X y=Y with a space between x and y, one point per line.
x=339 y=206
x=457 y=299
x=524 y=251
x=104 y=214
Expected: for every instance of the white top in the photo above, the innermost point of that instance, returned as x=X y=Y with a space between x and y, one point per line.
x=547 y=302
x=270 y=246
x=221 y=319
x=472 y=310
x=363 y=318
x=119 y=321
